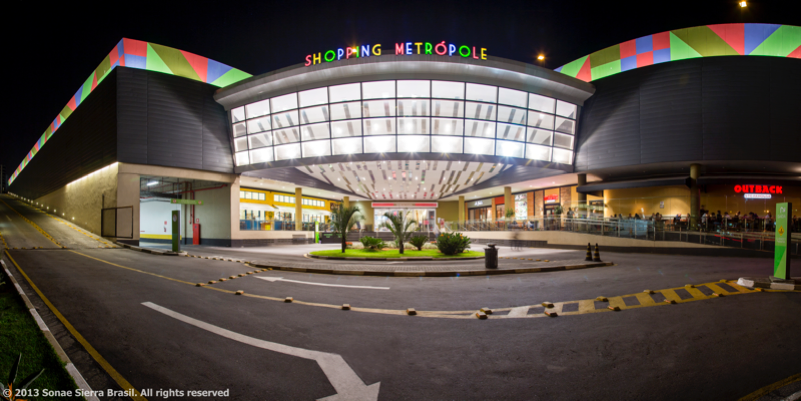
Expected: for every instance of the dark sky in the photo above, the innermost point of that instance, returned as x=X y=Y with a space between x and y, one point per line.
x=51 y=48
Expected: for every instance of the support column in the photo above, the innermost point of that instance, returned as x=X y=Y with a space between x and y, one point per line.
x=298 y=210
x=508 y=201
x=695 y=195
x=346 y=202
x=461 y=211
x=581 y=207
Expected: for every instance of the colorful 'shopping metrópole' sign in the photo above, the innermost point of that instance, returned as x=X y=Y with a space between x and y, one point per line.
x=781 y=259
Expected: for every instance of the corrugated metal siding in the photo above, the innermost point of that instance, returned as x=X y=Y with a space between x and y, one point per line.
x=217 y=151
x=716 y=108
x=86 y=142
x=131 y=115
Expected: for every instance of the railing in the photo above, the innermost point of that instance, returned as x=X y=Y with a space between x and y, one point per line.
x=745 y=238
x=277 y=225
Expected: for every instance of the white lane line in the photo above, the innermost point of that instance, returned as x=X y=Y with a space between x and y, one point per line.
x=345 y=381
x=518 y=312
x=367 y=287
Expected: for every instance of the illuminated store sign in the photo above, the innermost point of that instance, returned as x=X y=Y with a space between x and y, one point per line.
x=756 y=196
x=403 y=48
x=758 y=189
x=552 y=198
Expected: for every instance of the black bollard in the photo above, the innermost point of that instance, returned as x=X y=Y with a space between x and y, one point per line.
x=491 y=257
x=589 y=253
x=597 y=257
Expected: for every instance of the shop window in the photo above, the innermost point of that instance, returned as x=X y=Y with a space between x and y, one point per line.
x=241 y=194
x=248 y=195
x=262 y=196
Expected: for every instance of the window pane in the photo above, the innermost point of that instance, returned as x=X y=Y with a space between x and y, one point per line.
x=447 y=90
x=241 y=194
x=261 y=195
x=513 y=132
x=447 y=126
x=285 y=102
x=314 y=114
x=563 y=141
x=512 y=97
x=447 y=108
x=413 y=107
x=241 y=158
x=539 y=136
x=347 y=146
x=316 y=148
x=562 y=156
x=379 y=108
x=379 y=126
x=238 y=114
x=446 y=144
x=316 y=131
x=480 y=111
x=346 y=128
x=378 y=89
x=379 y=144
x=259 y=125
x=538 y=152
x=479 y=128
x=313 y=97
x=240 y=144
x=478 y=146
x=511 y=115
x=248 y=195
x=482 y=93
x=414 y=144
x=260 y=140
x=540 y=120
x=343 y=111
x=342 y=93
x=565 y=125
x=262 y=155
x=414 y=88
x=565 y=109
x=540 y=103
x=509 y=149
x=413 y=126
x=258 y=109
x=285 y=152
x=286 y=119
x=287 y=135
x=240 y=129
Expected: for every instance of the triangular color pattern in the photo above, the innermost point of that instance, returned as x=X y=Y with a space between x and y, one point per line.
x=755 y=34
x=230 y=77
x=585 y=73
x=199 y=63
x=175 y=61
x=155 y=63
x=216 y=70
x=795 y=53
x=780 y=43
x=733 y=34
x=680 y=50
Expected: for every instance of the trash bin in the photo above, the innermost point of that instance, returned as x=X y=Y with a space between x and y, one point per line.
x=491 y=257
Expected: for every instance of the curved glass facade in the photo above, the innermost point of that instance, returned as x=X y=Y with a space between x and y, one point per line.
x=405 y=116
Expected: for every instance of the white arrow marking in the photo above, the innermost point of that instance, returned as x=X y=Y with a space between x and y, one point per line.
x=274 y=279
x=345 y=381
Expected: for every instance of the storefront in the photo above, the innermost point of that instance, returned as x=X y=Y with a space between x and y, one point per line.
x=479 y=210
x=265 y=210
x=424 y=214
x=521 y=206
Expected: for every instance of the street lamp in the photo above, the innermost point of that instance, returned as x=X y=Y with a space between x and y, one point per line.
x=743 y=4
x=541 y=57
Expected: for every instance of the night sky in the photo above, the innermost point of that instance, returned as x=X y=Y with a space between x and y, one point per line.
x=51 y=48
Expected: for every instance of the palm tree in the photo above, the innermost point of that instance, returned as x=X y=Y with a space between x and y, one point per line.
x=342 y=219
x=399 y=226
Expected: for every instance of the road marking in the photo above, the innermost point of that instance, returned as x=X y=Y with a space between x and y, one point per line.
x=775 y=386
x=520 y=311
x=89 y=348
x=345 y=381
x=274 y=279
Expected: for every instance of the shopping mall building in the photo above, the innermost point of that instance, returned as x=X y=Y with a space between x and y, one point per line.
x=671 y=123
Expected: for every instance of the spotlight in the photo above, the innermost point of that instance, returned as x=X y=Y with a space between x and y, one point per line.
x=541 y=57
x=743 y=4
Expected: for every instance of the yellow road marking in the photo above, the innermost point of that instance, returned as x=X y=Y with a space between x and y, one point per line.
x=775 y=386
x=33 y=224
x=89 y=348
x=131 y=268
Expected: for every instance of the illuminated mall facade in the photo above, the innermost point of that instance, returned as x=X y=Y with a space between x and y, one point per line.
x=671 y=123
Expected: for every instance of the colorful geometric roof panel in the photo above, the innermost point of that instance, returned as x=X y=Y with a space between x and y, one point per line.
x=701 y=41
x=145 y=56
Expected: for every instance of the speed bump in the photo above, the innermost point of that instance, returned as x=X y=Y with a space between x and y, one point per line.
x=345 y=306
x=481 y=315
x=602 y=299
x=486 y=310
x=223 y=279
x=288 y=299
x=717 y=295
x=212 y=282
x=547 y=304
x=550 y=314
x=411 y=312
x=614 y=308
x=240 y=292
x=231 y=277
x=670 y=301
x=689 y=286
x=201 y=284
x=648 y=292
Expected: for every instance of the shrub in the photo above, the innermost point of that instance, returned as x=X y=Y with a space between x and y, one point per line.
x=418 y=241
x=373 y=244
x=452 y=243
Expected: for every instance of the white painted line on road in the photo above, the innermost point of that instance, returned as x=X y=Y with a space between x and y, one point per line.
x=367 y=287
x=345 y=381
x=521 y=311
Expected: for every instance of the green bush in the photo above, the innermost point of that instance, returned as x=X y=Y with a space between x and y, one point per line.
x=452 y=243
x=418 y=241
x=373 y=244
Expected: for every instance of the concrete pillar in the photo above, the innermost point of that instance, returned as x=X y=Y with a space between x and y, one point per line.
x=581 y=207
x=461 y=210
x=695 y=195
x=346 y=202
x=508 y=201
x=298 y=210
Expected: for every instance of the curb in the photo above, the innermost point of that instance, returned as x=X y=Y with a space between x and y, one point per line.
x=69 y=366
x=409 y=259
x=149 y=250
x=753 y=283
x=453 y=273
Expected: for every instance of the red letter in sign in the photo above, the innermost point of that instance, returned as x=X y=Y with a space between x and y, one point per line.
x=772 y=189
x=738 y=189
x=778 y=189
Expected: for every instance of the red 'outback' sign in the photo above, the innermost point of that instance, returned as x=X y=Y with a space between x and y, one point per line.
x=758 y=189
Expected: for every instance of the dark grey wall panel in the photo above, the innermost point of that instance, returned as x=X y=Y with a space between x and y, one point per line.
x=86 y=142
x=217 y=150
x=131 y=115
x=706 y=109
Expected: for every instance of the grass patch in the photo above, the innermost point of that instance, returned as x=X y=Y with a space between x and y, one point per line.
x=393 y=253
x=19 y=334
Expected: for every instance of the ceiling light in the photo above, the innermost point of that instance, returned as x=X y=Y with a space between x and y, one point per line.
x=151 y=183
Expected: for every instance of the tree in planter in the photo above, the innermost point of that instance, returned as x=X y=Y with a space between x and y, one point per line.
x=342 y=219
x=400 y=226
